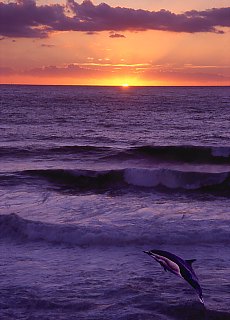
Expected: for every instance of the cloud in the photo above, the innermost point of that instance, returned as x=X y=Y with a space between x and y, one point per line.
x=102 y=17
x=116 y=35
x=85 y=73
x=44 y=45
x=70 y=71
x=91 y=33
x=54 y=71
x=25 y=18
x=67 y=71
x=6 y=71
x=189 y=73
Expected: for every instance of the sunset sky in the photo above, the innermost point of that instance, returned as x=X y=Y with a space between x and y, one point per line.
x=138 y=42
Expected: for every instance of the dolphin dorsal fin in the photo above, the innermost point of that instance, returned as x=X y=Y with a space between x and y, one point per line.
x=190 y=262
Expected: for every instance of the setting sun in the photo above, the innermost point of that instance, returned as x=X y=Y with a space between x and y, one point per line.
x=125 y=85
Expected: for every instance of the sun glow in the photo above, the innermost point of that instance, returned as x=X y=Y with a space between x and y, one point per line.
x=125 y=85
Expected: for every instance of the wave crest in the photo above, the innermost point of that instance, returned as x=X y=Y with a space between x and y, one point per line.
x=13 y=227
x=180 y=153
x=93 y=180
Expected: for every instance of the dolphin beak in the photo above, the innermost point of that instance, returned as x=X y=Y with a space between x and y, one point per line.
x=146 y=252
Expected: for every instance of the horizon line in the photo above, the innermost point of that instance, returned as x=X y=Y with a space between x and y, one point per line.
x=100 y=85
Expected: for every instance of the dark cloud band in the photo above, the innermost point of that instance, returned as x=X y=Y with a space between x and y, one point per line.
x=24 y=18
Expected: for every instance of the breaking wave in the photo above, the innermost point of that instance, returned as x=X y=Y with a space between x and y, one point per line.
x=93 y=180
x=175 y=179
x=13 y=227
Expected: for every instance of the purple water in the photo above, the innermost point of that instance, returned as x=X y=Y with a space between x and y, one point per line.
x=92 y=176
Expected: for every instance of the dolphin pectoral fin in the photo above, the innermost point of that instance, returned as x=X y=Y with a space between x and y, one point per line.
x=163 y=266
x=190 y=262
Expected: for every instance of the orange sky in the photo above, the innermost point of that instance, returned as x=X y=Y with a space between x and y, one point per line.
x=93 y=44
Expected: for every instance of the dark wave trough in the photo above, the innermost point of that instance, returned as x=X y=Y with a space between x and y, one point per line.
x=188 y=154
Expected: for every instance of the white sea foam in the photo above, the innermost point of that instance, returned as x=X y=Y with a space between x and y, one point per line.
x=173 y=179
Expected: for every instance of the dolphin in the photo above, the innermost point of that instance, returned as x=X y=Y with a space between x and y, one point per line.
x=178 y=266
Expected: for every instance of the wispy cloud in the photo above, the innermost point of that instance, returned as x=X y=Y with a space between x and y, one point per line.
x=24 y=18
x=91 y=33
x=143 y=71
x=44 y=45
x=6 y=71
x=71 y=70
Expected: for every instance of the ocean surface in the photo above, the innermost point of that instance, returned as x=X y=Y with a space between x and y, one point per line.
x=92 y=176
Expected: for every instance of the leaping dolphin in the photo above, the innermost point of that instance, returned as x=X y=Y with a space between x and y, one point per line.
x=179 y=267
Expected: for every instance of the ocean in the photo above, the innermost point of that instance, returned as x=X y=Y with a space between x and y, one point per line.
x=90 y=177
